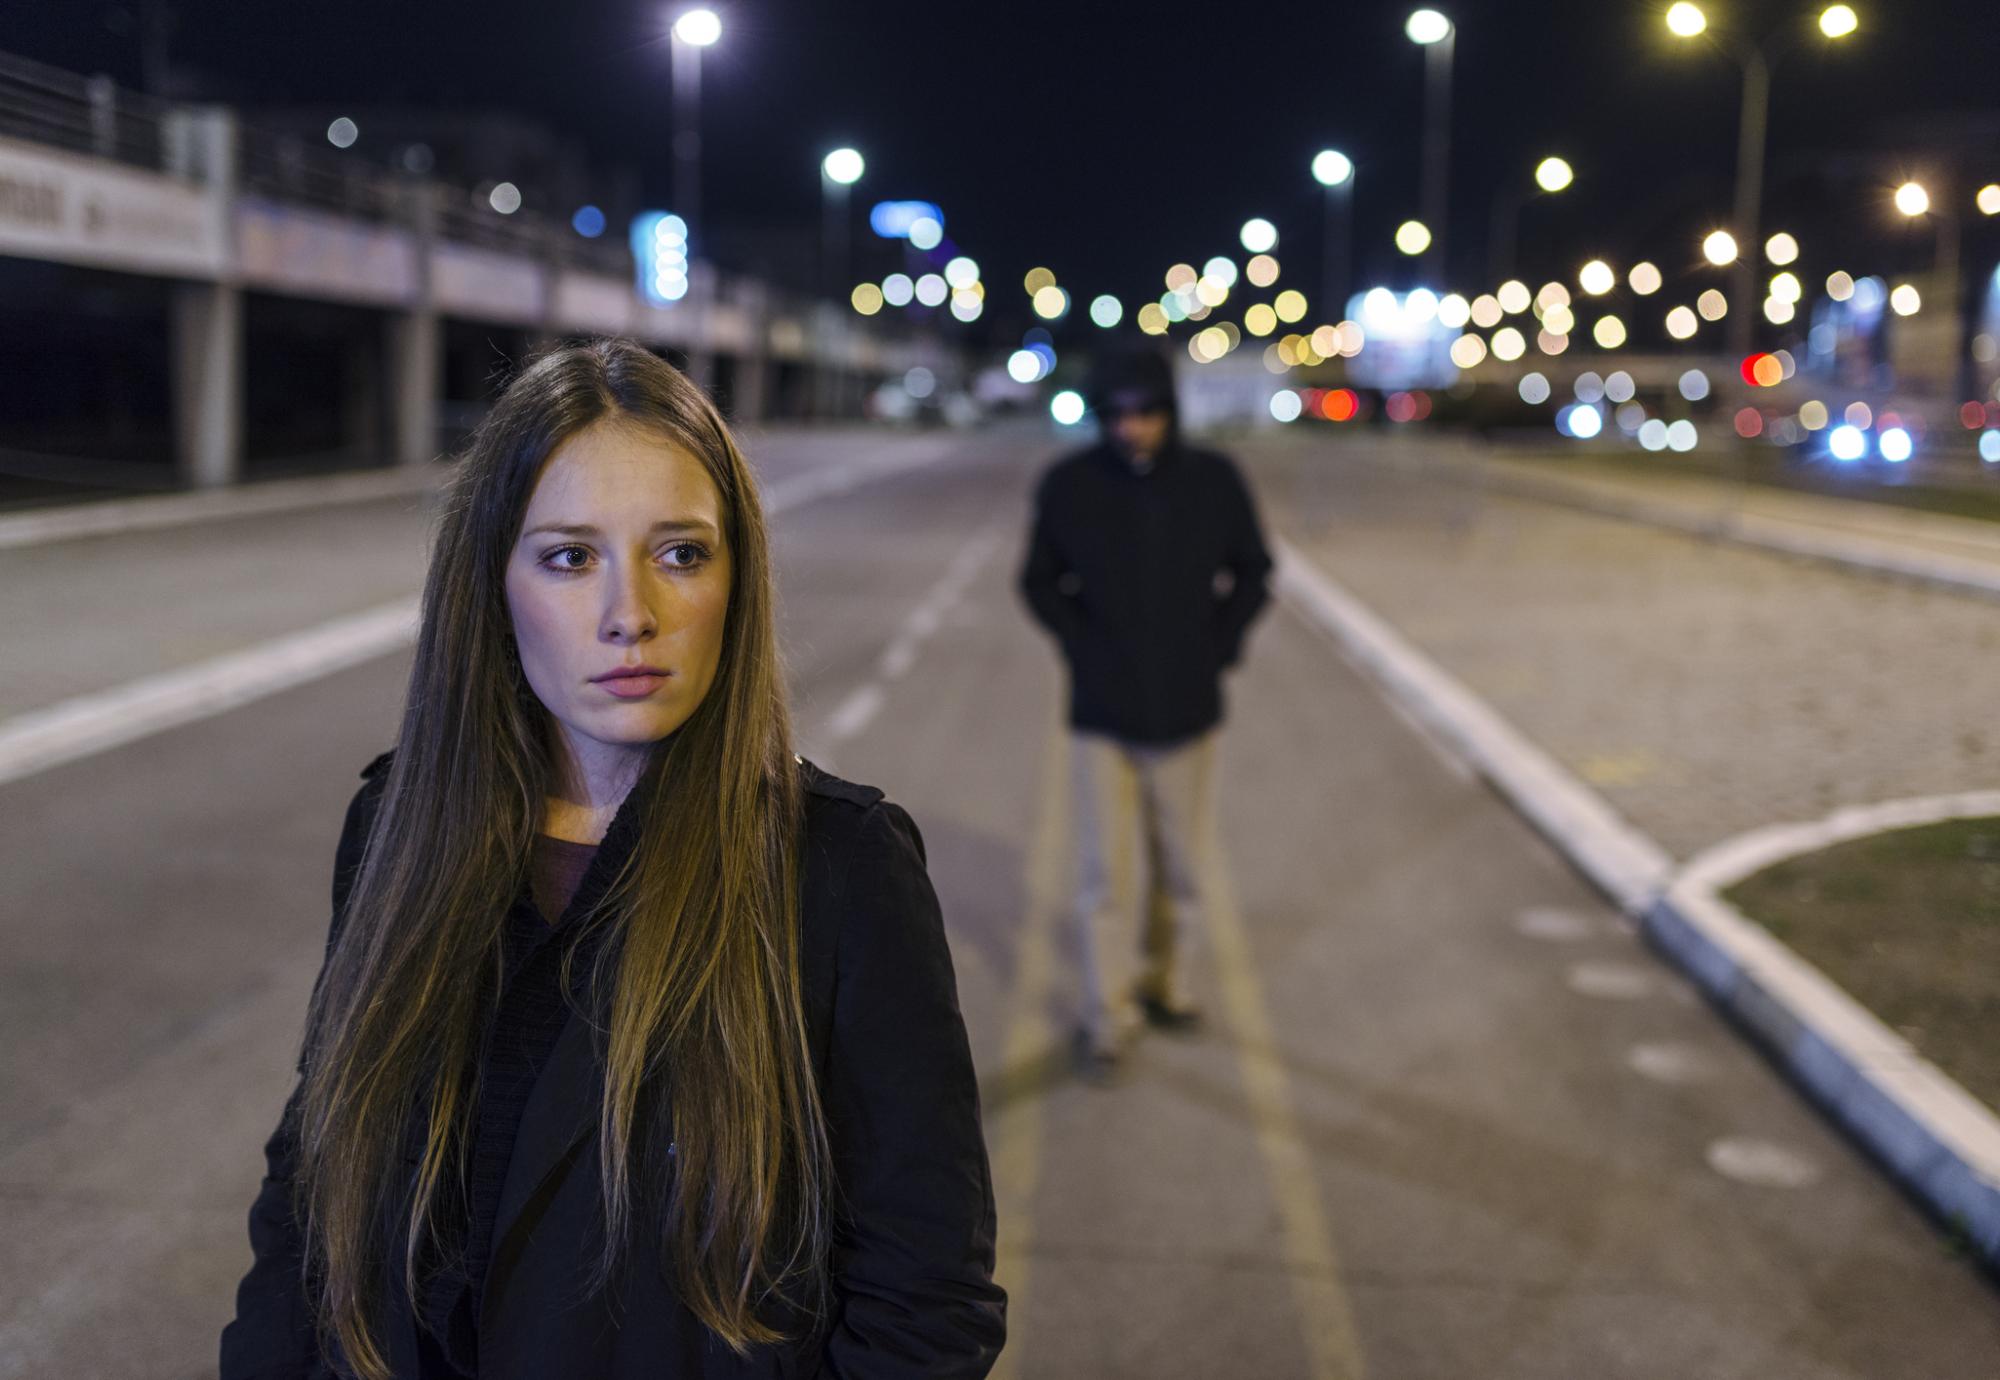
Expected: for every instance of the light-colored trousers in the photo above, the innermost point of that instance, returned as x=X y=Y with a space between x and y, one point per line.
x=1158 y=803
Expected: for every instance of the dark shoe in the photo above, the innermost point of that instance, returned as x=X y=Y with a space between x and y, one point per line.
x=1098 y=1065
x=1176 y=1020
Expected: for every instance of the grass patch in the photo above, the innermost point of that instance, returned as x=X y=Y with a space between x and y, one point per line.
x=1908 y=922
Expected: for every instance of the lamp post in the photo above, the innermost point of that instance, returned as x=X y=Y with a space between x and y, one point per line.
x=693 y=31
x=1552 y=175
x=1687 y=21
x=1334 y=171
x=838 y=171
x=1437 y=36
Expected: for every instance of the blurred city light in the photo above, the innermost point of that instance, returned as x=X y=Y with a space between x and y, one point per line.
x=1221 y=270
x=1989 y=447
x=1988 y=199
x=1467 y=351
x=1413 y=237
x=1859 y=414
x=1152 y=319
x=1051 y=303
x=1846 y=442
x=1681 y=323
x=898 y=290
x=1580 y=420
x=1331 y=167
x=1262 y=271
x=1210 y=292
x=1533 y=388
x=1778 y=311
x=1596 y=278
x=1653 y=434
x=1514 y=297
x=1486 y=311
x=892 y=220
x=1712 y=305
x=1024 y=366
x=1554 y=174
x=342 y=133
x=1838 y=21
x=1781 y=249
x=1912 y=199
x=1588 y=387
x=961 y=272
x=1285 y=405
x=1067 y=407
x=1105 y=311
x=588 y=222
x=1644 y=278
x=932 y=290
x=1260 y=319
x=1813 y=415
x=1905 y=300
x=1509 y=344
x=1618 y=386
x=1552 y=342
x=1559 y=318
x=1839 y=285
x=1258 y=235
x=1427 y=27
x=1685 y=20
x=504 y=198
x=1749 y=422
x=967 y=306
x=1453 y=311
x=919 y=382
x=1694 y=385
x=844 y=166
x=1786 y=287
x=659 y=253
x=926 y=232
x=1681 y=436
x=698 y=28
x=867 y=298
x=1180 y=278
x=1609 y=332
x=1719 y=247
x=1291 y=305
x=1894 y=445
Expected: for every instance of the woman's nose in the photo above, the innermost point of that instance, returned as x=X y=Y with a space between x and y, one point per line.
x=628 y=614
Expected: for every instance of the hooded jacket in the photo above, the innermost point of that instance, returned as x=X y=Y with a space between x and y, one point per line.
x=912 y=1290
x=1148 y=579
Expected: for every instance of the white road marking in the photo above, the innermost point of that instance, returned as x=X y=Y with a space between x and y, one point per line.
x=1668 y=1062
x=1554 y=924
x=87 y=724
x=1611 y=981
x=855 y=713
x=1762 y=1164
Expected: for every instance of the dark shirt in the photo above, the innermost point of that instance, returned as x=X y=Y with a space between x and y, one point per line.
x=533 y=1006
x=1149 y=579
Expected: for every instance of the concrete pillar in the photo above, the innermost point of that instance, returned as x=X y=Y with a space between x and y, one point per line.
x=753 y=366
x=208 y=382
x=415 y=356
x=700 y=347
x=206 y=320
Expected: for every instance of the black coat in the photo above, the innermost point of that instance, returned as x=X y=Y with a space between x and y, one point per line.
x=913 y=1295
x=1149 y=582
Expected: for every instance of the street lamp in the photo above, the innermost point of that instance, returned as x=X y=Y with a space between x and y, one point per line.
x=693 y=30
x=1437 y=36
x=1552 y=175
x=1334 y=171
x=1686 y=21
x=838 y=171
x=1913 y=199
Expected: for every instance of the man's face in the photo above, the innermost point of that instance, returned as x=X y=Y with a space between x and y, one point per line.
x=1137 y=425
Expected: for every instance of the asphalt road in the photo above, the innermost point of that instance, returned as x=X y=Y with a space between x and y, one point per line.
x=1449 y=1120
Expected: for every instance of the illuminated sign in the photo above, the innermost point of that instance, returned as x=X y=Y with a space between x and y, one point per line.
x=660 y=250
x=892 y=219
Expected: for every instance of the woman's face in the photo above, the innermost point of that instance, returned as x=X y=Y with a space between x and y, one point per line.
x=619 y=591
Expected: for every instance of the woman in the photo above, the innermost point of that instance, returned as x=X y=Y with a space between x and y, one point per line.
x=637 y=1049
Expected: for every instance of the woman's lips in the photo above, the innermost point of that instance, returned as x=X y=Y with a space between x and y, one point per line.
x=633 y=684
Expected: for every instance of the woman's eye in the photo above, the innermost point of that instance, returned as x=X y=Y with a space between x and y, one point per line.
x=685 y=555
x=566 y=558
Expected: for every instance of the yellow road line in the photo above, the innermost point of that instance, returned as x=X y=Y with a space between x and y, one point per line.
x=1311 y=1263
x=1017 y=1135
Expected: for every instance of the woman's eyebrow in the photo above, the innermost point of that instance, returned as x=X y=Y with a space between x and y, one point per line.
x=584 y=529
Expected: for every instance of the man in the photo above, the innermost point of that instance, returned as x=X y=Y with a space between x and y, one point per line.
x=1147 y=565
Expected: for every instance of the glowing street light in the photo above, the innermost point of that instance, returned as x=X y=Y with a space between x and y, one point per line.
x=843 y=166
x=1988 y=199
x=1437 y=36
x=1912 y=199
x=1554 y=174
x=1258 y=235
x=1413 y=237
x=1596 y=278
x=838 y=171
x=693 y=31
x=1719 y=248
x=1685 y=20
x=1334 y=171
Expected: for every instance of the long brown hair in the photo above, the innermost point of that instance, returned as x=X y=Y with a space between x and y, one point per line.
x=700 y=962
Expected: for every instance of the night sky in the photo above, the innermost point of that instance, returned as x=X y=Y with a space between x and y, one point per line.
x=1110 y=140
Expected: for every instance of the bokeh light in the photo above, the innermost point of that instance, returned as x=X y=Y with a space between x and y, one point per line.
x=1847 y=442
x=1685 y=20
x=1453 y=311
x=1260 y=319
x=1262 y=271
x=866 y=298
x=1331 y=167
x=1839 y=285
x=1712 y=305
x=1681 y=436
x=1905 y=300
x=1894 y=445
x=1988 y=199
x=926 y=233
x=1694 y=385
x=1781 y=249
x=1608 y=332
x=1290 y=305
x=505 y=198
x=1644 y=278
x=1258 y=235
x=1554 y=174
x=1285 y=405
x=932 y=290
x=1838 y=21
x=1427 y=27
x=1596 y=278
x=1039 y=278
x=698 y=28
x=1105 y=310
x=1509 y=344
x=1514 y=297
x=1413 y=237
x=1533 y=388
x=1912 y=199
x=843 y=166
x=1467 y=351
x=1719 y=247
x=1152 y=319
x=1681 y=323
x=1067 y=407
x=961 y=272
x=1051 y=303
x=898 y=289
x=342 y=133
x=1486 y=311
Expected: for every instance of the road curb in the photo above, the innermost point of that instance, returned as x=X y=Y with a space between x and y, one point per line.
x=1931 y=1135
